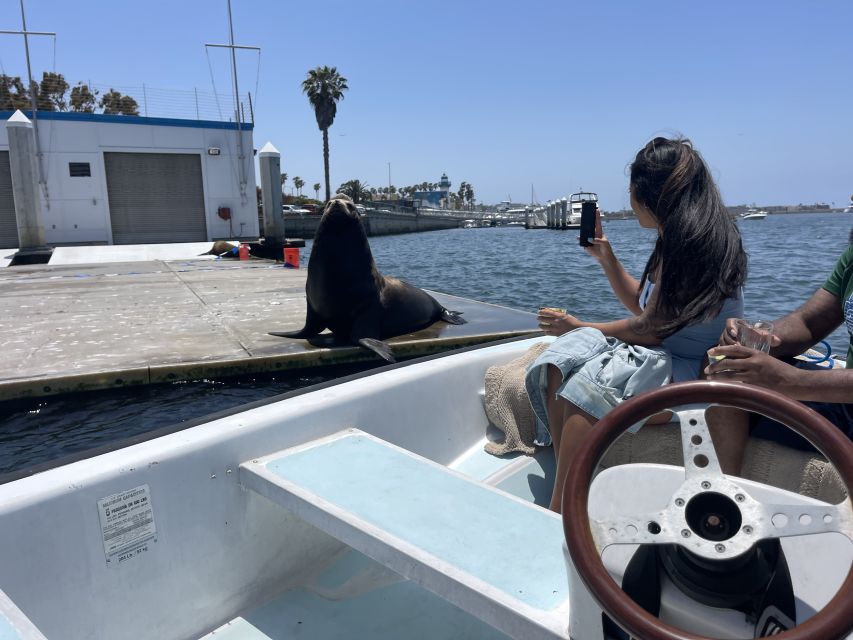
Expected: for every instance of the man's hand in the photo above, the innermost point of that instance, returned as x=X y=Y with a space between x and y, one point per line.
x=729 y=335
x=556 y=323
x=742 y=364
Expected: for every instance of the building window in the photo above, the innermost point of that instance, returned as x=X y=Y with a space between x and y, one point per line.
x=79 y=170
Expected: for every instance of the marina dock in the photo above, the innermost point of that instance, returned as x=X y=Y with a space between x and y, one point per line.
x=77 y=327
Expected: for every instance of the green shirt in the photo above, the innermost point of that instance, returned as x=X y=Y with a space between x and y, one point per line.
x=840 y=284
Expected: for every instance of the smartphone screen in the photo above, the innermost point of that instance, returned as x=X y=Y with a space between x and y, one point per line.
x=588 y=223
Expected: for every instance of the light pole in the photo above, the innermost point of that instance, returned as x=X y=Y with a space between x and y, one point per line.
x=389 y=178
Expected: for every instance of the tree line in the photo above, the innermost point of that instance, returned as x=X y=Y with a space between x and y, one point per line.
x=360 y=191
x=52 y=94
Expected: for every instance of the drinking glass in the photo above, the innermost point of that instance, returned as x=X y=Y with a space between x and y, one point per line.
x=755 y=335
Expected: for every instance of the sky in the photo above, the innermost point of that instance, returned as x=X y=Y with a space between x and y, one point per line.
x=516 y=98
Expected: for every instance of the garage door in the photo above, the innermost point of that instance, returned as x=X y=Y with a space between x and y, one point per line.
x=8 y=224
x=155 y=197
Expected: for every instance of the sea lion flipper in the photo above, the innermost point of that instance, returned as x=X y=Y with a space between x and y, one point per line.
x=452 y=317
x=366 y=331
x=313 y=326
x=380 y=348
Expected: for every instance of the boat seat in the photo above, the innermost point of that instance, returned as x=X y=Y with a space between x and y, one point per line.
x=487 y=552
x=14 y=624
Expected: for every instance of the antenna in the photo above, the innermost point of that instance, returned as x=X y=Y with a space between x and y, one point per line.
x=26 y=35
x=237 y=116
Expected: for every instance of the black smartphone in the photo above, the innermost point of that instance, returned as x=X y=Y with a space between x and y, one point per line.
x=588 y=208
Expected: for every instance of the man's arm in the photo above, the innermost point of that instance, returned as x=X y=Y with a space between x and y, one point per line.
x=809 y=324
x=753 y=367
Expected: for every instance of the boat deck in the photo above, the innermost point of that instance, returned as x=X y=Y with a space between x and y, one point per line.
x=76 y=327
x=353 y=592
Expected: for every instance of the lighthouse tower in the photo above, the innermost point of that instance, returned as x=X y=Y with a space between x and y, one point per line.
x=444 y=188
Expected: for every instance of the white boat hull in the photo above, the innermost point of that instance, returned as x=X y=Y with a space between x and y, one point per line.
x=205 y=551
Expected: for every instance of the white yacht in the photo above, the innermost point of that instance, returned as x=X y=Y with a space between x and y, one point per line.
x=753 y=214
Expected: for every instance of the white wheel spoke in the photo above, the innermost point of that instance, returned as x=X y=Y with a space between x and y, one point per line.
x=700 y=456
x=652 y=528
x=784 y=520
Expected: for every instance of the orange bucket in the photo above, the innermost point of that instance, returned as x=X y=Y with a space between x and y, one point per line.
x=244 y=252
x=291 y=257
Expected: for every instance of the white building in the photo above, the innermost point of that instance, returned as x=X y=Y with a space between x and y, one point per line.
x=114 y=179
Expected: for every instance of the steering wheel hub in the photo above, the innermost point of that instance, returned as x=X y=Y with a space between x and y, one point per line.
x=713 y=516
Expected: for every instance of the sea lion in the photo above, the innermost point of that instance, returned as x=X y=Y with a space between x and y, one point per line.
x=346 y=293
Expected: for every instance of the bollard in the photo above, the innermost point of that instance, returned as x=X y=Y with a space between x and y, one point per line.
x=291 y=257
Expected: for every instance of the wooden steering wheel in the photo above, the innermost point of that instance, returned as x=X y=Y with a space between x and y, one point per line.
x=749 y=520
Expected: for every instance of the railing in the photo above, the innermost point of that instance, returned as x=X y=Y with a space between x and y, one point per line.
x=185 y=104
x=157 y=102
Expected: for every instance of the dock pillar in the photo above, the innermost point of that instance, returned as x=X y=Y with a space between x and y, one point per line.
x=25 y=188
x=564 y=223
x=550 y=215
x=269 y=160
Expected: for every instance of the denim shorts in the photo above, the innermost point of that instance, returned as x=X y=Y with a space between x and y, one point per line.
x=598 y=373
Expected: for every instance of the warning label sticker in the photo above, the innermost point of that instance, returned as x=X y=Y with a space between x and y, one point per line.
x=127 y=524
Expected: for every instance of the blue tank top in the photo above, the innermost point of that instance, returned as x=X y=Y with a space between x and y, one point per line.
x=688 y=345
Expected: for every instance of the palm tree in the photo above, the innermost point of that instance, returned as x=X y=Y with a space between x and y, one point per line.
x=355 y=189
x=469 y=195
x=316 y=190
x=283 y=180
x=461 y=193
x=324 y=87
x=298 y=183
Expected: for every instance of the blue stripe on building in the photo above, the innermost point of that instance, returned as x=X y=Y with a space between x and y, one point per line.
x=74 y=116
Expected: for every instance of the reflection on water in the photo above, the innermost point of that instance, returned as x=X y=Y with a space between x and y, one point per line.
x=42 y=429
x=790 y=256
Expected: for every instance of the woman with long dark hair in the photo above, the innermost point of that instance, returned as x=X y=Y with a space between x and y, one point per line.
x=691 y=283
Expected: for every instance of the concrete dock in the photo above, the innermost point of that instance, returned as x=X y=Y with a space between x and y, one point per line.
x=76 y=327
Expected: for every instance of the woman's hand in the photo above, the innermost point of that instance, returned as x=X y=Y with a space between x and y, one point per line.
x=600 y=249
x=556 y=323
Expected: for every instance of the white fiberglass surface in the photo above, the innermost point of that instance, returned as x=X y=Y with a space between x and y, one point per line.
x=219 y=550
x=386 y=612
x=457 y=521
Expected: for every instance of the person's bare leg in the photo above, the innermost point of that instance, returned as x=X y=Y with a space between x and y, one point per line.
x=555 y=406
x=576 y=426
x=729 y=429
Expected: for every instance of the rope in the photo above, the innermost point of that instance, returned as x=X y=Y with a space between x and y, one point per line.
x=257 y=79
x=213 y=82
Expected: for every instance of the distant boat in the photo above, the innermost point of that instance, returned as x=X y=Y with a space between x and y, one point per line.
x=753 y=214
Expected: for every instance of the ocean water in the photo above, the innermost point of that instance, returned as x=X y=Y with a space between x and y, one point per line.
x=790 y=256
